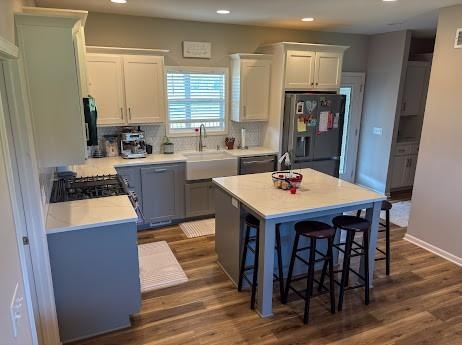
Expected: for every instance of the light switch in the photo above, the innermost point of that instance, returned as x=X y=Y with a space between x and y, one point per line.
x=377 y=131
x=15 y=310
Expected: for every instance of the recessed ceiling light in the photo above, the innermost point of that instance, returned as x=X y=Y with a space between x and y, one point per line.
x=389 y=0
x=307 y=19
x=223 y=11
x=119 y=1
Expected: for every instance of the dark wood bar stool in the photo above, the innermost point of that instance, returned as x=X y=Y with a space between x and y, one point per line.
x=314 y=231
x=386 y=206
x=352 y=225
x=251 y=243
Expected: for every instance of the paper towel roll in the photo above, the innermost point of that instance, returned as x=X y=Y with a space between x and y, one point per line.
x=243 y=145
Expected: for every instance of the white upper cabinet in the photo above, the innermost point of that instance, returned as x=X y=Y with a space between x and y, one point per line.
x=415 y=88
x=105 y=84
x=251 y=79
x=300 y=69
x=128 y=88
x=328 y=70
x=144 y=88
x=313 y=70
x=54 y=70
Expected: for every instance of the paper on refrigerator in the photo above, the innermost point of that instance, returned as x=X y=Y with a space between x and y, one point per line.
x=323 y=121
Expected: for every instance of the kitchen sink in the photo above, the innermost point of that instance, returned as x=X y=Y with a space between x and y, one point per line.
x=209 y=164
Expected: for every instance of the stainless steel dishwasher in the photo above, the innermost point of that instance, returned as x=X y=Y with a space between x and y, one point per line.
x=257 y=164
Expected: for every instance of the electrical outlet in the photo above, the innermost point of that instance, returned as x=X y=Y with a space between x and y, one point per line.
x=377 y=131
x=15 y=310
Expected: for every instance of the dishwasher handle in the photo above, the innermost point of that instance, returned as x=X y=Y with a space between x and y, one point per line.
x=272 y=160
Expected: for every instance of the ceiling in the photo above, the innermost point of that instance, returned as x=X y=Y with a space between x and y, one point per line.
x=349 y=16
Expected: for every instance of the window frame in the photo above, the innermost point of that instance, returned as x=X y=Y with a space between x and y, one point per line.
x=194 y=69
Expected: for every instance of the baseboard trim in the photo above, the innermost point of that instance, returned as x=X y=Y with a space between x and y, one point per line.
x=433 y=249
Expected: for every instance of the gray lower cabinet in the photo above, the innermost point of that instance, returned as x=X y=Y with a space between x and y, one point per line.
x=163 y=193
x=95 y=279
x=199 y=199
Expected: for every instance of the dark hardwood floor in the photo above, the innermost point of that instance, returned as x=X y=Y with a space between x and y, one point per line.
x=420 y=303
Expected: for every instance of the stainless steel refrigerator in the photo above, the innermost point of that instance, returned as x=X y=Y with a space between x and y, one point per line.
x=313 y=130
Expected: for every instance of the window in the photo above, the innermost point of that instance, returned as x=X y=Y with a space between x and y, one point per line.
x=196 y=96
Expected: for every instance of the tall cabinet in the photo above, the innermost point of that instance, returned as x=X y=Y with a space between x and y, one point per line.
x=128 y=85
x=52 y=50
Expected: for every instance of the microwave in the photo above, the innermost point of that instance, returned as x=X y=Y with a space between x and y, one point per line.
x=91 y=116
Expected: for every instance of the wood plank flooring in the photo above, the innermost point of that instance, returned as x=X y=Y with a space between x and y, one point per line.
x=420 y=303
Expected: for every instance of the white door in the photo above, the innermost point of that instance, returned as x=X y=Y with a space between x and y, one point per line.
x=105 y=84
x=352 y=87
x=144 y=88
x=255 y=88
x=300 y=70
x=15 y=315
x=328 y=70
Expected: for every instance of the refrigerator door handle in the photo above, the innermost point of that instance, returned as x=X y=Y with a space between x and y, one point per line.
x=290 y=146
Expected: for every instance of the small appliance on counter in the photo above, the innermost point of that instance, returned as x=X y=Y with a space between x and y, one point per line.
x=111 y=147
x=132 y=143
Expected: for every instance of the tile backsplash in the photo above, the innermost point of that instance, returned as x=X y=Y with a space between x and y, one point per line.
x=155 y=135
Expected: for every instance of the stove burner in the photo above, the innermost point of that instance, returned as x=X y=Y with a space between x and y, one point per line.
x=88 y=188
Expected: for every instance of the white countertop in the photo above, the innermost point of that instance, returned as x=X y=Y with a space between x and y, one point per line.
x=83 y=214
x=318 y=192
x=107 y=165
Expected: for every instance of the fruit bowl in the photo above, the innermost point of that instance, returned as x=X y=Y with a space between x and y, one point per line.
x=286 y=179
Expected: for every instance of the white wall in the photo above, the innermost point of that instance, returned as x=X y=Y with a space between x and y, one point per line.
x=386 y=67
x=437 y=198
x=144 y=32
x=10 y=263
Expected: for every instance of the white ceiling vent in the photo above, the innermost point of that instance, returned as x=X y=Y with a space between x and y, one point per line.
x=458 y=43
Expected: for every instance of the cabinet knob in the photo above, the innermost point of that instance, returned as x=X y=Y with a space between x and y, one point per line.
x=317 y=84
x=312 y=84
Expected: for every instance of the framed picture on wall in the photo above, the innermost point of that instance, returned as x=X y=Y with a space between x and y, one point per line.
x=198 y=50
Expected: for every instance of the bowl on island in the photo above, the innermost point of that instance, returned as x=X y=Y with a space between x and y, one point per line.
x=286 y=179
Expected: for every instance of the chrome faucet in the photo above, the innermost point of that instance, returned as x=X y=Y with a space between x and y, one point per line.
x=201 y=143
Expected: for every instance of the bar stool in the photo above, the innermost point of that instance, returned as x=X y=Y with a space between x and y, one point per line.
x=352 y=225
x=253 y=223
x=314 y=231
x=386 y=206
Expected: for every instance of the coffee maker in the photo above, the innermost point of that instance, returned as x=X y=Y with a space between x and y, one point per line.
x=132 y=143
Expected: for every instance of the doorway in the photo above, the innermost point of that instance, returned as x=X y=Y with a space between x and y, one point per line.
x=352 y=87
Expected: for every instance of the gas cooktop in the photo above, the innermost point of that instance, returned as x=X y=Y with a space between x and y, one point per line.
x=87 y=188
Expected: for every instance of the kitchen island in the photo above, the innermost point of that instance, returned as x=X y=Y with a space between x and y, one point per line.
x=320 y=196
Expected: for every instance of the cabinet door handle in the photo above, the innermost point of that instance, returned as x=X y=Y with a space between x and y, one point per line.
x=404 y=106
x=129 y=112
x=160 y=170
x=245 y=110
x=121 y=112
